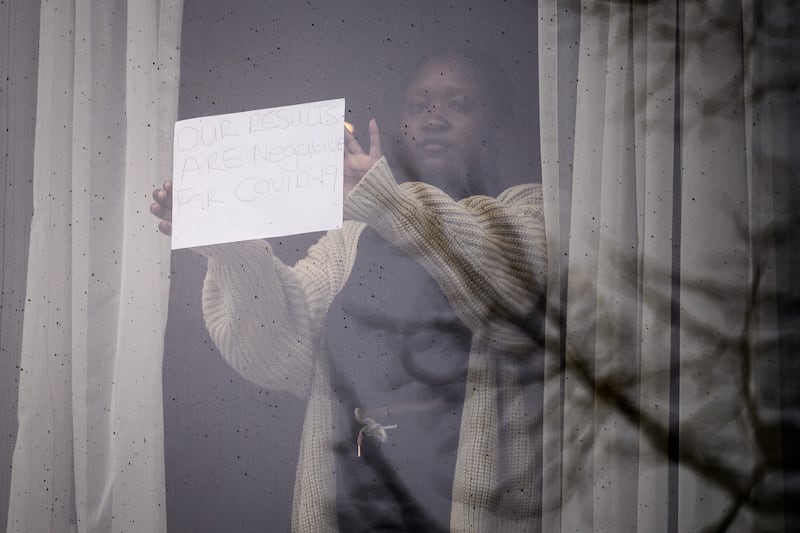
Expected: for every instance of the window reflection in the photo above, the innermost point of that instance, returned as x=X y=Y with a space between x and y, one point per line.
x=413 y=328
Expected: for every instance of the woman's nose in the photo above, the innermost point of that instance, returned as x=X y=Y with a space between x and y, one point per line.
x=436 y=117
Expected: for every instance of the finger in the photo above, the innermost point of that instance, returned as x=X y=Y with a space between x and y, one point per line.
x=168 y=186
x=352 y=145
x=165 y=227
x=374 y=140
x=161 y=212
x=164 y=198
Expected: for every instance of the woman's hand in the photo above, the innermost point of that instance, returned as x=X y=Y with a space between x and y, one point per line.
x=162 y=207
x=356 y=161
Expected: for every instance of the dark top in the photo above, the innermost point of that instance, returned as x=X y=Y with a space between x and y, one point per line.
x=399 y=352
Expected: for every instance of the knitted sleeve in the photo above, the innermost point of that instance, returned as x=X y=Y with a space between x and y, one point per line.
x=487 y=254
x=265 y=317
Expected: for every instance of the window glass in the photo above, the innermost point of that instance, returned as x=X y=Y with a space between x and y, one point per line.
x=452 y=87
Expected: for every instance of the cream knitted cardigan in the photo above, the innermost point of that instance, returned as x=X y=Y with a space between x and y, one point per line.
x=489 y=258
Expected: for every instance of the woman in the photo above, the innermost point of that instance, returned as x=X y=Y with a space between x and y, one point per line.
x=412 y=331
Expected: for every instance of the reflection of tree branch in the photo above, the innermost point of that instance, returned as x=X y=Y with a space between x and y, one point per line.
x=726 y=521
x=618 y=390
x=739 y=348
x=715 y=470
x=771 y=37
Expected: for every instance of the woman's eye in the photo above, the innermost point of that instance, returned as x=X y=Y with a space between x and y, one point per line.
x=462 y=105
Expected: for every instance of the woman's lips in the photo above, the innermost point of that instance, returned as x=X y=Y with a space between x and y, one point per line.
x=434 y=146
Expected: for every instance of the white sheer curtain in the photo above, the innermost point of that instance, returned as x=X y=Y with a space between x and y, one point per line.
x=661 y=370
x=89 y=453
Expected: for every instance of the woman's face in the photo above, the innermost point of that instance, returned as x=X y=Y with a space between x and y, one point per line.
x=446 y=124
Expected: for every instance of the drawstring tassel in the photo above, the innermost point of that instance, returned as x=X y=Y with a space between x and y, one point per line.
x=371 y=428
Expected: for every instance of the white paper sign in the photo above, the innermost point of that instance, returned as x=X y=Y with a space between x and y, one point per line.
x=258 y=174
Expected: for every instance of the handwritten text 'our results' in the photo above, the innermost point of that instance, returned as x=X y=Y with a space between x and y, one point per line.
x=257 y=156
